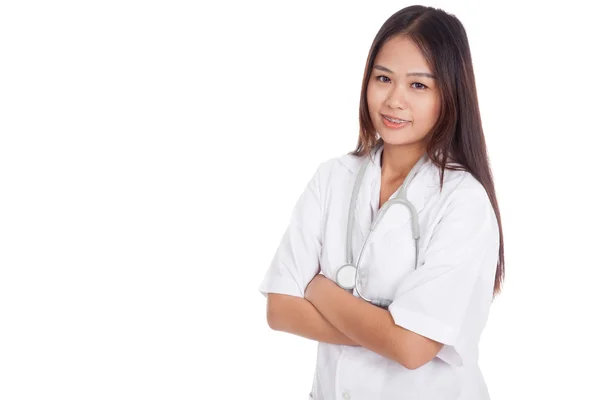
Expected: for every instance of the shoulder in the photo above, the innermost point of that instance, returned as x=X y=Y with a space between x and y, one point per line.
x=338 y=166
x=467 y=204
x=458 y=185
x=462 y=194
x=469 y=192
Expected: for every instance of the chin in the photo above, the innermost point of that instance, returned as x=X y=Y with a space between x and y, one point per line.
x=399 y=138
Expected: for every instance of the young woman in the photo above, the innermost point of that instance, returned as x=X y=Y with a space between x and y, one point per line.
x=394 y=252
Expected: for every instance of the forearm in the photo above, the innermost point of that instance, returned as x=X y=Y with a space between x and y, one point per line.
x=369 y=326
x=298 y=316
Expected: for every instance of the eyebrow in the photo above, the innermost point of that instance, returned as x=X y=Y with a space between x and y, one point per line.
x=423 y=74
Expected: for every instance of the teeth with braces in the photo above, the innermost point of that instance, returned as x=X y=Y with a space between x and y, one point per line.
x=395 y=121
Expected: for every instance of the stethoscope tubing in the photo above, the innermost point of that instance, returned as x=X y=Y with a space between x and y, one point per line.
x=400 y=199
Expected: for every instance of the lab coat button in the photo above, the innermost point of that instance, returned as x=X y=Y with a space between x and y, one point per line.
x=346 y=396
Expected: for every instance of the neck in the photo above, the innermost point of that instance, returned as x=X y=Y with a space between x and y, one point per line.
x=397 y=161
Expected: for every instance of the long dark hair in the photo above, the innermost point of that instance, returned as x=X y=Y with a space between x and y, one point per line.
x=456 y=142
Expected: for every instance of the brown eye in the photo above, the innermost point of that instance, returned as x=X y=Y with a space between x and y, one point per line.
x=420 y=86
x=383 y=78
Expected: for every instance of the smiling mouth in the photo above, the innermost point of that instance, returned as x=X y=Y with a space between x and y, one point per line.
x=395 y=120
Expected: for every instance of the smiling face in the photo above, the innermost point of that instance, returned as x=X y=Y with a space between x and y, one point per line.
x=402 y=95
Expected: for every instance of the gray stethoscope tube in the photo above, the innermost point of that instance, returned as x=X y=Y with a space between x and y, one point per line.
x=347 y=276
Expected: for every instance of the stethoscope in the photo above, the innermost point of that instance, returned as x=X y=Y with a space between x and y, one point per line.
x=347 y=276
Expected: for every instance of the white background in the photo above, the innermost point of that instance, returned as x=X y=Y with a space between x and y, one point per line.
x=151 y=153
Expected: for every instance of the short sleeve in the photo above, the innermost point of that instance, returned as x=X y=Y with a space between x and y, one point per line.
x=455 y=274
x=296 y=260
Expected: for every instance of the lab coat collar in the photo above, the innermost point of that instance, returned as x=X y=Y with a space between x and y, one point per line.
x=419 y=191
x=430 y=172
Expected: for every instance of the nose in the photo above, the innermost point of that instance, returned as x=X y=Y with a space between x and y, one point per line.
x=396 y=99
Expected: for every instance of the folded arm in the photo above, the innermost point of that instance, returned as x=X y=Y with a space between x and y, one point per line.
x=298 y=316
x=369 y=326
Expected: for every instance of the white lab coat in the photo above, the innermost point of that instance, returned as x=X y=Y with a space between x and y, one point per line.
x=446 y=298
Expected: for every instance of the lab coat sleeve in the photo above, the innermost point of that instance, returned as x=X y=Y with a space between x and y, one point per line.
x=296 y=260
x=455 y=276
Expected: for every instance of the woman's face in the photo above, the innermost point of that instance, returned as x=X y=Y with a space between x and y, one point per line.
x=402 y=86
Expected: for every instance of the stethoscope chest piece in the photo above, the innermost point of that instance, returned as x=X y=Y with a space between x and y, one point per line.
x=346 y=276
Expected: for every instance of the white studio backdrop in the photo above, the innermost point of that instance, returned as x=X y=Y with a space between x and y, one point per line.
x=151 y=153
